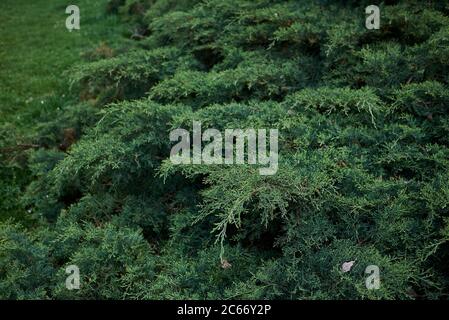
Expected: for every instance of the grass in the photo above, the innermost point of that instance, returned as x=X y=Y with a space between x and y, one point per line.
x=35 y=50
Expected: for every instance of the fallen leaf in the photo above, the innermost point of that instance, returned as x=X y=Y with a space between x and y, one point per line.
x=346 y=266
x=225 y=264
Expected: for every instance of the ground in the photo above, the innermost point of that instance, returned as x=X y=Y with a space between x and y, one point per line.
x=35 y=50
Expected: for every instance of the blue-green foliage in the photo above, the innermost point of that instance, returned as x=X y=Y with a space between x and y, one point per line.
x=363 y=170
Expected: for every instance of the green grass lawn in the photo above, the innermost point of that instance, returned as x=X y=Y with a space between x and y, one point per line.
x=35 y=50
x=36 y=47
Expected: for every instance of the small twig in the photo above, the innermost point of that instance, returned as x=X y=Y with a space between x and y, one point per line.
x=20 y=147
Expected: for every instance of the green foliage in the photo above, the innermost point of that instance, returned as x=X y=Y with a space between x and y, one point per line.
x=116 y=262
x=25 y=271
x=363 y=168
x=129 y=75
